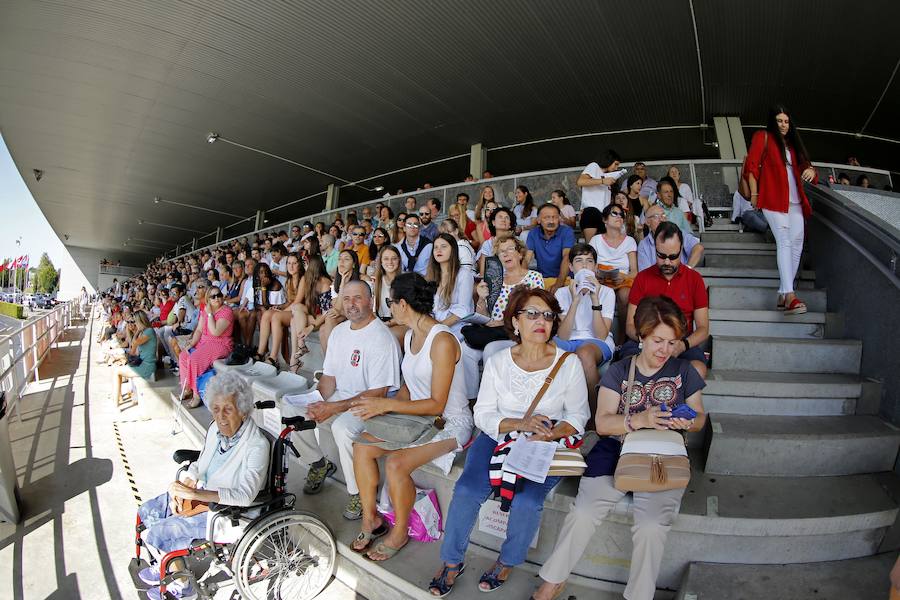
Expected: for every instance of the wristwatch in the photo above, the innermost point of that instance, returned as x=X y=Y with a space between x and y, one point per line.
x=597 y=307
x=687 y=343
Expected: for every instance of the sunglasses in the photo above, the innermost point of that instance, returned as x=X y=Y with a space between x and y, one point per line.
x=424 y=214
x=412 y=225
x=662 y=256
x=214 y=296
x=378 y=235
x=358 y=234
x=131 y=321
x=533 y=314
x=389 y=301
x=617 y=213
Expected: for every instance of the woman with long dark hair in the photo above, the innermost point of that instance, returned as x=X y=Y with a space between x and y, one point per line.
x=501 y=221
x=525 y=211
x=776 y=167
x=453 y=299
x=309 y=314
x=380 y=239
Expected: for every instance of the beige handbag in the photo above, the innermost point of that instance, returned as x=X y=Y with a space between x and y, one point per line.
x=651 y=460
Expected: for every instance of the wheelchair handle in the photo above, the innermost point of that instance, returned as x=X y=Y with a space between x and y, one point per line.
x=298 y=423
x=262 y=404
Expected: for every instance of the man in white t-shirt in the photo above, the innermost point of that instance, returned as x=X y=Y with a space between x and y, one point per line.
x=362 y=359
x=587 y=308
x=595 y=183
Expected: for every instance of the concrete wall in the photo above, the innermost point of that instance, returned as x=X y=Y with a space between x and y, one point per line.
x=866 y=298
x=87 y=260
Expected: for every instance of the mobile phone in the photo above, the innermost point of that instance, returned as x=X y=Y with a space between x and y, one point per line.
x=683 y=411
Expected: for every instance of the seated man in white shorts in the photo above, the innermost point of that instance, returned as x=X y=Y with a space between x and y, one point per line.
x=362 y=359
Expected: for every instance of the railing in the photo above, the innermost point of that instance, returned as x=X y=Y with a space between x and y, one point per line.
x=23 y=351
x=713 y=181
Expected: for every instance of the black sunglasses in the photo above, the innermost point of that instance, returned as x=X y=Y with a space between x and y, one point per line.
x=533 y=315
x=617 y=213
x=214 y=296
x=389 y=301
x=667 y=256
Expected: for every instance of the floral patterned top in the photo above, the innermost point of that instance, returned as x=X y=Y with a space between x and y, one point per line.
x=532 y=279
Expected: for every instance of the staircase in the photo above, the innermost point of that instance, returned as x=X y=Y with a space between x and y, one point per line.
x=793 y=429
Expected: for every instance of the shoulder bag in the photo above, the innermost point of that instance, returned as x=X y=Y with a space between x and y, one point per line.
x=651 y=460
x=566 y=461
x=744 y=183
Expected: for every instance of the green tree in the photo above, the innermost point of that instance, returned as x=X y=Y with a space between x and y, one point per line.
x=46 y=277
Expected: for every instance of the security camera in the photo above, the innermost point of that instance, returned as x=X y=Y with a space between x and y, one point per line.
x=211 y=137
x=38 y=174
x=66 y=235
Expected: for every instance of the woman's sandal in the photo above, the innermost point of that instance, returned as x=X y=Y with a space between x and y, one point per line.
x=192 y=402
x=271 y=361
x=795 y=307
x=387 y=551
x=368 y=536
x=440 y=584
x=557 y=590
x=295 y=366
x=492 y=578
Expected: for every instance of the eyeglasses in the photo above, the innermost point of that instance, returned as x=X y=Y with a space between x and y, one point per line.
x=389 y=301
x=214 y=296
x=662 y=256
x=533 y=314
x=358 y=234
x=378 y=235
x=617 y=213
x=422 y=214
x=412 y=225
x=648 y=217
x=131 y=321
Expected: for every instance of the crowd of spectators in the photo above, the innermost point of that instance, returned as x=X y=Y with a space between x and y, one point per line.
x=452 y=318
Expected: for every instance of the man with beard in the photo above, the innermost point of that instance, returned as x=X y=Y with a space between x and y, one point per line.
x=429 y=229
x=683 y=285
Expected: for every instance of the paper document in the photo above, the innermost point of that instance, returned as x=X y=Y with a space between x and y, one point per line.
x=529 y=459
x=476 y=318
x=304 y=399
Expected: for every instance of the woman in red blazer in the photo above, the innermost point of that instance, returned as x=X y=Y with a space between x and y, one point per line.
x=776 y=167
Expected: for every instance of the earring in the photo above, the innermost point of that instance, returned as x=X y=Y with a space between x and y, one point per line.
x=640 y=344
x=516 y=332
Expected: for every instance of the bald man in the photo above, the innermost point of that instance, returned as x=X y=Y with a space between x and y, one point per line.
x=362 y=359
x=691 y=252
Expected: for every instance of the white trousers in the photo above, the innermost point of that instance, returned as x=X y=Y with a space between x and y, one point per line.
x=788 y=229
x=470 y=359
x=654 y=514
x=344 y=428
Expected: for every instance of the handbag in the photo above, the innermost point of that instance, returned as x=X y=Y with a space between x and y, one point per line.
x=189 y=508
x=396 y=431
x=479 y=336
x=567 y=462
x=651 y=460
x=134 y=360
x=744 y=184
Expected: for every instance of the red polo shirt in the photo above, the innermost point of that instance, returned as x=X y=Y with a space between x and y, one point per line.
x=686 y=288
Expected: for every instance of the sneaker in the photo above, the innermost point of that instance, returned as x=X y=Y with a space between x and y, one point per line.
x=316 y=477
x=353 y=511
x=183 y=591
x=150 y=575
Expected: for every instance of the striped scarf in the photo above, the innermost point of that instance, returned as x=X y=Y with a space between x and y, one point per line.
x=505 y=484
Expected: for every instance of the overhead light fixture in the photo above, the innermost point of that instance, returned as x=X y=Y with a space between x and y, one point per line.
x=159 y=200
x=378 y=188
x=38 y=174
x=213 y=137
x=140 y=221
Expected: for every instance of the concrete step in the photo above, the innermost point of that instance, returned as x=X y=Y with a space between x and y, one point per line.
x=758 y=298
x=786 y=355
x=731 y=236
x=755 y=393
x=751 y=273
x=766 y=323
x=741 y=246
x=854 y=579
x=753 y=259
x=723 y=225
x=800 y=446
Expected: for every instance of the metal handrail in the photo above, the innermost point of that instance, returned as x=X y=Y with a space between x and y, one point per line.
x=438 y=190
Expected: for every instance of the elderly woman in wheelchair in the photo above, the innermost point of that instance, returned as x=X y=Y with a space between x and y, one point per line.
x=228 y=512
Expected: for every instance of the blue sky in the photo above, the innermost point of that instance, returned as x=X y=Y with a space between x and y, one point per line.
x=22 y=218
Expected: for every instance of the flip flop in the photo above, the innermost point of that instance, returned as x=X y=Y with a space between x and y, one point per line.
x=368 y=536
x=386 y=550
x=795 y=307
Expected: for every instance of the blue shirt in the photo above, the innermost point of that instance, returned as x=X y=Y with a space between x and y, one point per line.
x=646 y=252
x=429 y=231
x=421 y=265
x=548 y=252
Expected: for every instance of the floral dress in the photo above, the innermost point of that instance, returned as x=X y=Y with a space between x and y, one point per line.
x=532 y=279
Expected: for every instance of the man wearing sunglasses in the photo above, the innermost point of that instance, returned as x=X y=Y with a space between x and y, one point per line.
x=691 y=252
x=685 y=286
x=415 y=251
x=360 y=247
x=429 y=229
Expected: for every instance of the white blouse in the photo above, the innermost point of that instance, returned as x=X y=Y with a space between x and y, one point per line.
x=461 y=303
x=507 y=391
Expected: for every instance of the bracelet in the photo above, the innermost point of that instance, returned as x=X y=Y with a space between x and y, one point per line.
x=751 y=195
x=687 y=343
x=628 y=426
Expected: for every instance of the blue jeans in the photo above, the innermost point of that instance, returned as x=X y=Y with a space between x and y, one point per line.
x=166 y=531
x=472 y=488
x=754 y=220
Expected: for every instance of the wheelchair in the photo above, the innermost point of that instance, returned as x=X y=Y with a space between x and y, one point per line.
x=279 y=552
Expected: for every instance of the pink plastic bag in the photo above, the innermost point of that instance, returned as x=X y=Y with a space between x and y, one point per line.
x=425 y=523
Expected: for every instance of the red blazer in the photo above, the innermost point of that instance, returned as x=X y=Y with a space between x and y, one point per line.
x=771 y=178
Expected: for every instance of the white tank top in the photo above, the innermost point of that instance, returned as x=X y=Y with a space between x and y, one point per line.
x=417 y=375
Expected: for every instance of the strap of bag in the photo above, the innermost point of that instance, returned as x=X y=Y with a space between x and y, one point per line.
x=630 y=385
x=547 y=382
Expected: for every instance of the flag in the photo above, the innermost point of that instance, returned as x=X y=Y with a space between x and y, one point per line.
x=25 y=264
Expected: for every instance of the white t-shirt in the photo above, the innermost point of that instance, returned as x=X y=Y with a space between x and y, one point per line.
x=583 y=328
x=596 y=196
x=614 y=257
x=362 y=359
x=280 y=265
x=466 y=254
x=190 y=312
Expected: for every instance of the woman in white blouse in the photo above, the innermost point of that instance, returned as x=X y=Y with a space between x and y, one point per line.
x=453 y=298
x=432 y=386
x=617 y=259
x=511 y=380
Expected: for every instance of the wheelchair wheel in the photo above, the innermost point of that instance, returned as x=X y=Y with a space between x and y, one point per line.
x=287 y=554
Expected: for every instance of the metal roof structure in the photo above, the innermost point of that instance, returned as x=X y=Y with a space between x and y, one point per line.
x=112 y=100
